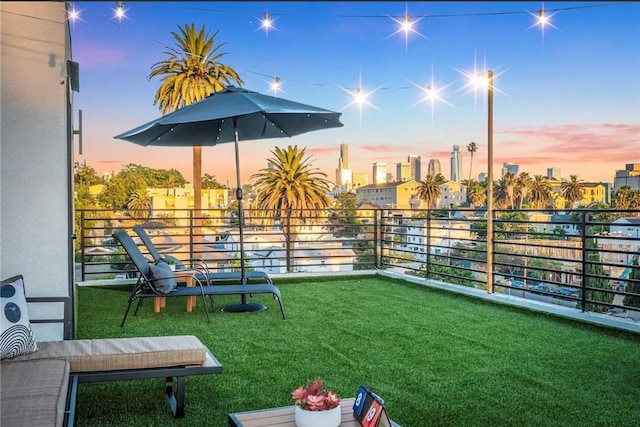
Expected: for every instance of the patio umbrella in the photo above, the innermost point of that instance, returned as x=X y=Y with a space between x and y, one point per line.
x=233 y=115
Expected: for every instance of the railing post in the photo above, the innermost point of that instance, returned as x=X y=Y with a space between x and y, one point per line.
x=585 y=256
x=427 y=271
x=288 y=244
x=82 y=260
x=382 y=236
x=191 y=239
x=376 y=239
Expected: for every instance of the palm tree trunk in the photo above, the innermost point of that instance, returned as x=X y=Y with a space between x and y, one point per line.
x=197 y=178
x=197 y=193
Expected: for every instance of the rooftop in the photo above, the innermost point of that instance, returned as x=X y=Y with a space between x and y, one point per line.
x=436 y=357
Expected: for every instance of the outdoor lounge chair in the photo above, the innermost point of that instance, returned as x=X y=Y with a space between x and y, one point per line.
x=209 y=276
x=146 y=285
x=40 y=382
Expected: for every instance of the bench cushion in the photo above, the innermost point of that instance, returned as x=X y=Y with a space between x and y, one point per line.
x=109 y=354
x=34 y=392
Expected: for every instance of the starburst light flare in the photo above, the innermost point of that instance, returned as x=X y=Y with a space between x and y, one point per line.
x=542 y=20
x=73 y=14
x=275 y=85
x=432 y=94
x=359 y=97
x=266 y=23
x=120 y=12
x=478 y=79
x=407 y=26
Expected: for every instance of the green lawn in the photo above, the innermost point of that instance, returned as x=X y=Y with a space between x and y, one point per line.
x=438 y=359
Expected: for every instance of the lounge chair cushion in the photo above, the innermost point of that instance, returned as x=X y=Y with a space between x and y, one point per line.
x=17 y=336
x=110 y=354
x=163 y=279
x=34 y=392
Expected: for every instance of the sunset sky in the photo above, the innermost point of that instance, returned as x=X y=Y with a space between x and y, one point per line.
x=567 y=96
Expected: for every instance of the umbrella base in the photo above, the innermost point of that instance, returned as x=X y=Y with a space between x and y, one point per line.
x=244 y=307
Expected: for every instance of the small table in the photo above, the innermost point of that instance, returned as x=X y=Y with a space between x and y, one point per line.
x=181 y=276
x=283 y=417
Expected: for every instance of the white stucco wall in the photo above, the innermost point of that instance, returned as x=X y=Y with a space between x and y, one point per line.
x=34 y=169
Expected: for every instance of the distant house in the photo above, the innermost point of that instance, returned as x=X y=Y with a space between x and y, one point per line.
x=266 y=251
x=592 y=192
x=166 y=201
x=307 y=260
x=453 y=194
x=393 y=195
x=441 y=237
x=366 y=211
x=624 y=235
x=565 y=223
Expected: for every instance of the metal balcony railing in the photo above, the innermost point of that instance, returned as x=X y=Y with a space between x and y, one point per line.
x=579 y=258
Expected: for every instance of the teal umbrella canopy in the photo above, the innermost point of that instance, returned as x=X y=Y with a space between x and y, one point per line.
x=215 y=119
x=232 y=115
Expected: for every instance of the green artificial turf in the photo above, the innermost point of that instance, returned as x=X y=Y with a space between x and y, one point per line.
x=438 y=359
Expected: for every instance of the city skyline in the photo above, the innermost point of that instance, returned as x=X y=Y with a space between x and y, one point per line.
x=567 y=97
x=433 y=168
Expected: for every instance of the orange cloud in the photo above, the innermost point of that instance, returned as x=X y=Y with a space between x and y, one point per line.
x=319 y=151
x=386 y=148
x=581 y=143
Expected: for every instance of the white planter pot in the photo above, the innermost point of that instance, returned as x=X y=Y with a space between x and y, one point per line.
x=330 y=418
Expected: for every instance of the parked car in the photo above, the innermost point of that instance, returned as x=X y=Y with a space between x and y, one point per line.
x=517 y=284
x=567 y=292
x=538 y=289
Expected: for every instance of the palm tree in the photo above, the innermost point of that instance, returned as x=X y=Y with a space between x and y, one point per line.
x=523 y=186
x=190 y=73
x=623 y=197
x=429 y=190
x=540 y=191
x=572 y=190
x=292 y=192
x=139 y=202
x=509 y=184
x=500 y=195
x=477 y=194
x=471 y=148
x=171 y=181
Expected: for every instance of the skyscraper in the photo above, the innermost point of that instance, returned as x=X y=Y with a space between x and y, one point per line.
x=510 y=167
x=456 y=164
x=554 y=173
x=343 y=173
x=434 y=167
x=403 y=171
x=344 y=156
x=414 y=162
x=379 y=173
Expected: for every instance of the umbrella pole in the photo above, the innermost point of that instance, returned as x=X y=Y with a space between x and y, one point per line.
x=243 y=276
x=243 y=306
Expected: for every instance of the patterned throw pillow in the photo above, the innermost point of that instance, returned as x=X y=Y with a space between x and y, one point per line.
x=17 y=336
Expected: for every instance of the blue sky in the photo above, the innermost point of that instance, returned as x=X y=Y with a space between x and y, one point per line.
x=566 y=97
